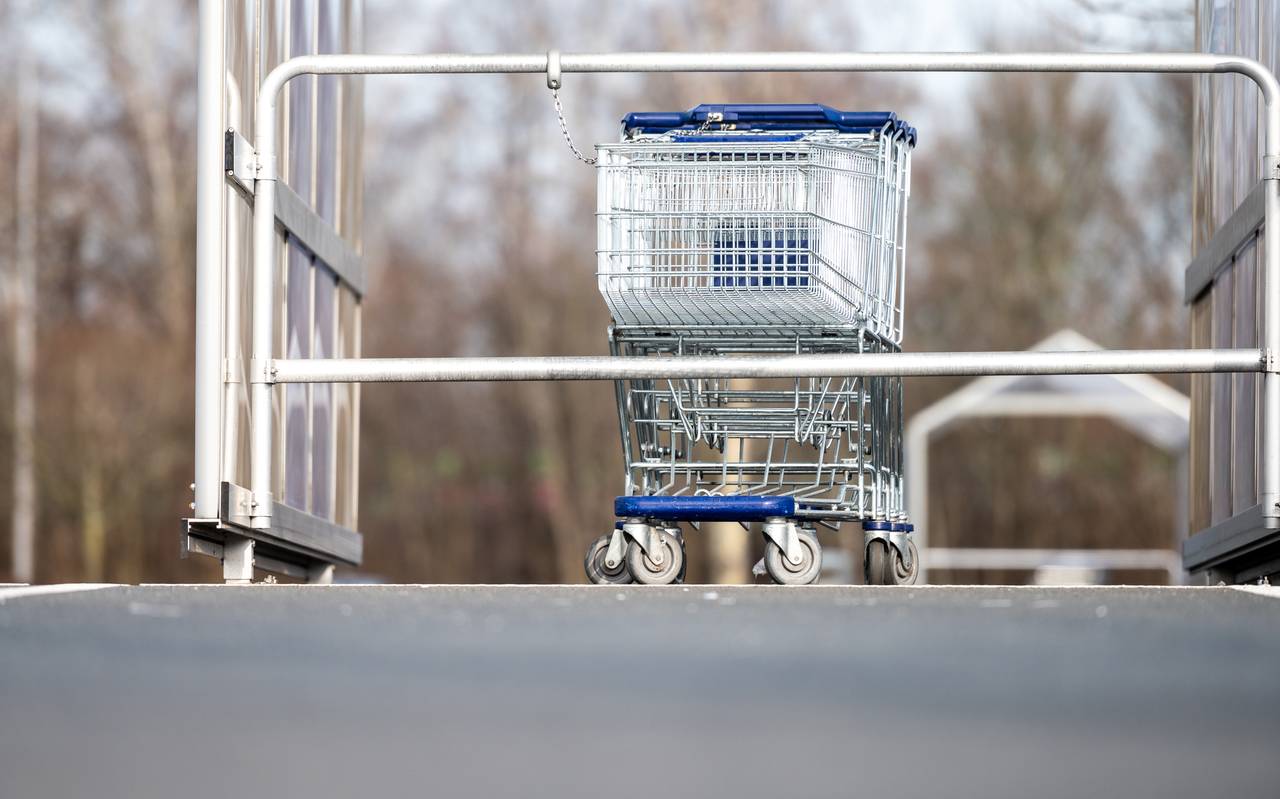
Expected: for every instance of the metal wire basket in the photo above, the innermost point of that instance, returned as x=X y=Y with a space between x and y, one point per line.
x=716 y=229
x=834 y=444
x=756 y=230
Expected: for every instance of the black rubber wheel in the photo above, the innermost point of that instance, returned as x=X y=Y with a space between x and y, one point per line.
x=645 y=571
x=878 y=567
x=784 y=572
x=598 y=572
x=901 y=576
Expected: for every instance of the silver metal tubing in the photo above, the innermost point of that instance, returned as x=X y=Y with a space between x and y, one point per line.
x=445 y=370
x=1269 y=477
x=265 y=250
x=763 y=62
x=210 y=182
x=264 y=256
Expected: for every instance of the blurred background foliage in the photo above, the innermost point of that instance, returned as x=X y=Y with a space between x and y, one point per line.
x=1039 y=203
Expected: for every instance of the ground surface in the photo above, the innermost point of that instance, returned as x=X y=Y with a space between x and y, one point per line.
x=697 y=691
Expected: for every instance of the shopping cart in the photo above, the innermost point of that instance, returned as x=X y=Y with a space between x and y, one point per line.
x=747 y=230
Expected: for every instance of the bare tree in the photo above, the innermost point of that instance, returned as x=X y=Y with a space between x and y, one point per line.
x=24 y=319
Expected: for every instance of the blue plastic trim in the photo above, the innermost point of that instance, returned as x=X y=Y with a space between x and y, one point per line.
x=874 y=525
x=768 y=116
x=705 y=509
x=693 y=138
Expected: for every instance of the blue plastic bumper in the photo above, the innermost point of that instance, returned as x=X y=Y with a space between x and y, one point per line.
x=705 y=509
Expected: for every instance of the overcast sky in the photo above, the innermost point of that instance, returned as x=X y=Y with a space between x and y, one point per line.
x=904 y=25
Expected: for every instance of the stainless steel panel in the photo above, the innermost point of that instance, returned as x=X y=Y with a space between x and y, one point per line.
x=1226 y=276
x=327 y=123
x=1200 y=514
x=1220 y=404
x=348 y=439
x=1248 y=167
x=1222 y=122
x=297 y=456
x=304 y=224
x=300 y=156
x=1239 y=229
x=1244 y=477
x=322 y=449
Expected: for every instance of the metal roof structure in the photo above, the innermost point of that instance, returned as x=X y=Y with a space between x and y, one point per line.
x=1149 y=408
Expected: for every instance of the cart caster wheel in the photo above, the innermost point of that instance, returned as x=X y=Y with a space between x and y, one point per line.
x=900 y=573
x=598 y=572
x=784 y=572
x=878 y=565
x=645 y=571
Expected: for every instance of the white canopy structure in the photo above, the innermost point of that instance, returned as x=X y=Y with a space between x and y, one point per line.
x=1151 y=409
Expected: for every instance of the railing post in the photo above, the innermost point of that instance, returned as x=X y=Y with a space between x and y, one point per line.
x=210 y=186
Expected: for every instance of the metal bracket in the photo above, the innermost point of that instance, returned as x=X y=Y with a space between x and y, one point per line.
x=262 y=371
x=1270 y=504
x=1268 y=360
x=237 y=505
x=783 y=533
x=1215 y=255
x=238 y=560
x=320 y=574
x=617 y=549
x=553 y=70
x=265 y=168
x=262 y=507
x=239 y=160
x=901 y=541
x=296 y=216
x=1271 y=167
x=646 y=537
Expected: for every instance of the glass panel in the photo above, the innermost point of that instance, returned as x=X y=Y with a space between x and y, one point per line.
x=1222 y=36
x=298 y=330
x=1268 y=38
x=241 y=48
x=1268 y=54
x=1201 y=338
x=280 y=335
x=1202 y=172
x=273 y=32
x=1243 y=478
x=1247 y=163
x=349 y=429
x=327 y=117
x=240 y=75
x=326 y=284
x=273 y=48
x=341 y=422
x=301 y=109
x=1220 y=433
x=237 y=342
x=351 y=155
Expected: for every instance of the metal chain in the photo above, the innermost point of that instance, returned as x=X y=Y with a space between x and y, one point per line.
x=564 y=128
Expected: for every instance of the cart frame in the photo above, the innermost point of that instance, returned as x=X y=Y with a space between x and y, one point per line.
x=267 y=371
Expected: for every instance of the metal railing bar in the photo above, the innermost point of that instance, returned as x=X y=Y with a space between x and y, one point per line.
x=608 y=367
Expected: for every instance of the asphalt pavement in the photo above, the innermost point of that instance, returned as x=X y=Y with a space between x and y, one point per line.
x=213 y=691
